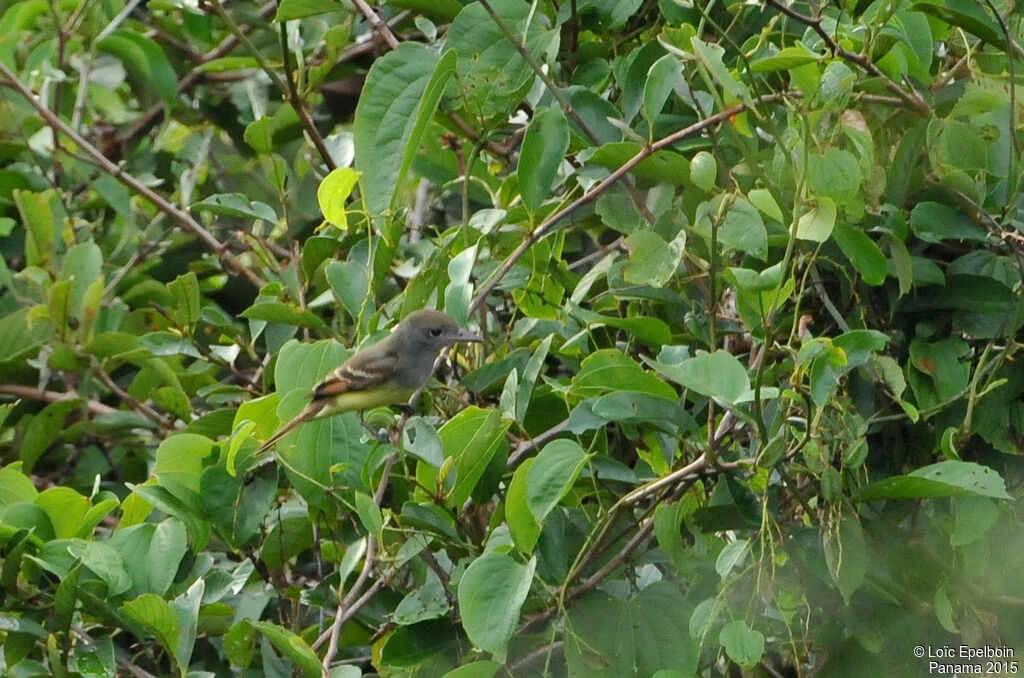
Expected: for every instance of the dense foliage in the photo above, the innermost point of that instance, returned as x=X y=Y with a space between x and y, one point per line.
x=749 y=276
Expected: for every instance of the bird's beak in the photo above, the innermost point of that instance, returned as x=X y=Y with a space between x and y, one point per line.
x=466 y=335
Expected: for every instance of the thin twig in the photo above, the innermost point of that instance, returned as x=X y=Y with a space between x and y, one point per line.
x=140 y=407
x=32 y=393
x=155 y=114
x=523 y=448
x=911 y=99
x=286 y=86
x=563 y=101
x=378 y=25
x=355 y=598
x=542 y=229
x=618 y=559
x=93 y=155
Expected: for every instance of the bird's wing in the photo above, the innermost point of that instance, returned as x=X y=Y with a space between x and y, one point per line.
x=365 y=370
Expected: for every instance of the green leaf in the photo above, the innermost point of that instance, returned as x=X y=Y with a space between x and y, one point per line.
x=541 y=155
x=83 y=265
x=834 y=173
x=717 y=375
x=945 y=479
x=422 y=441
x=238 y=643
x=185 y=289
x=661 y=80
x=711 y=56
x=652 y=261
x=369 y=514
x=151 y=553
x=159 y=497
x=743 y=230
x=269 y=132
x=41 y=214
x=611 y=638
x=236 y=205
x=279 y=312
x=552 y=475
x=484 y=668
x=935 y=222
x=817 y=223
x=783 y=60
x=333 y=193
x=744 y=645
x=491 y=594
x=863 y=253
x=732 y=555
x=704 y=171
x=614 y=13
x=155 y=615
x=21 y=337
x=349 y=281
x=228 y=64
x=472 y=438
x=186 y=607
x=938 y=370
x=968 y=15
x=426 y=602
x=651 y=331
x=492 y=76
x=402 y=91
x=145 y=60
x=636 y=407
x=293 y=647
x=531 y=372
x=609 y=370
x=663 y=165
x=44 y=429
x=523 y=526
x=180 y=459
x=66 y=509
x=300 y=9
x=846 y=555
x=15 y=486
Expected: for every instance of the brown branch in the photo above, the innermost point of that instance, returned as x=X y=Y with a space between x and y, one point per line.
x=355 y=599
x=376 y=23
x=563 y=102
x=544 y=227
x=94 y=156
x=155 y=114
x=140 y=407
x=642 y=535
x=526 y=446
x=911 y=99
x=286 y=86
x=32 y=393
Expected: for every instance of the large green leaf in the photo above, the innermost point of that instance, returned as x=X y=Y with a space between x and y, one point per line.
x=945 y=479
x=718 y=375
x=492 y=75
x=552 y=475
x=491 y=594
x=541 y=155
x=472 y=438
x=401 y=94
x=610 y=638
x=145 y=60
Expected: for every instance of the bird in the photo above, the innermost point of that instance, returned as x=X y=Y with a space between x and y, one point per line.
x=385 y=373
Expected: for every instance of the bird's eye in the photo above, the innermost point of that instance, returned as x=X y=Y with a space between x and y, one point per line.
x=434 y=331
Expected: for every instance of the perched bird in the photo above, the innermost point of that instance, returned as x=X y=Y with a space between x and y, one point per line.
x=385 y=373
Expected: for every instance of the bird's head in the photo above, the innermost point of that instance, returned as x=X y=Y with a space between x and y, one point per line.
x=432 y=330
